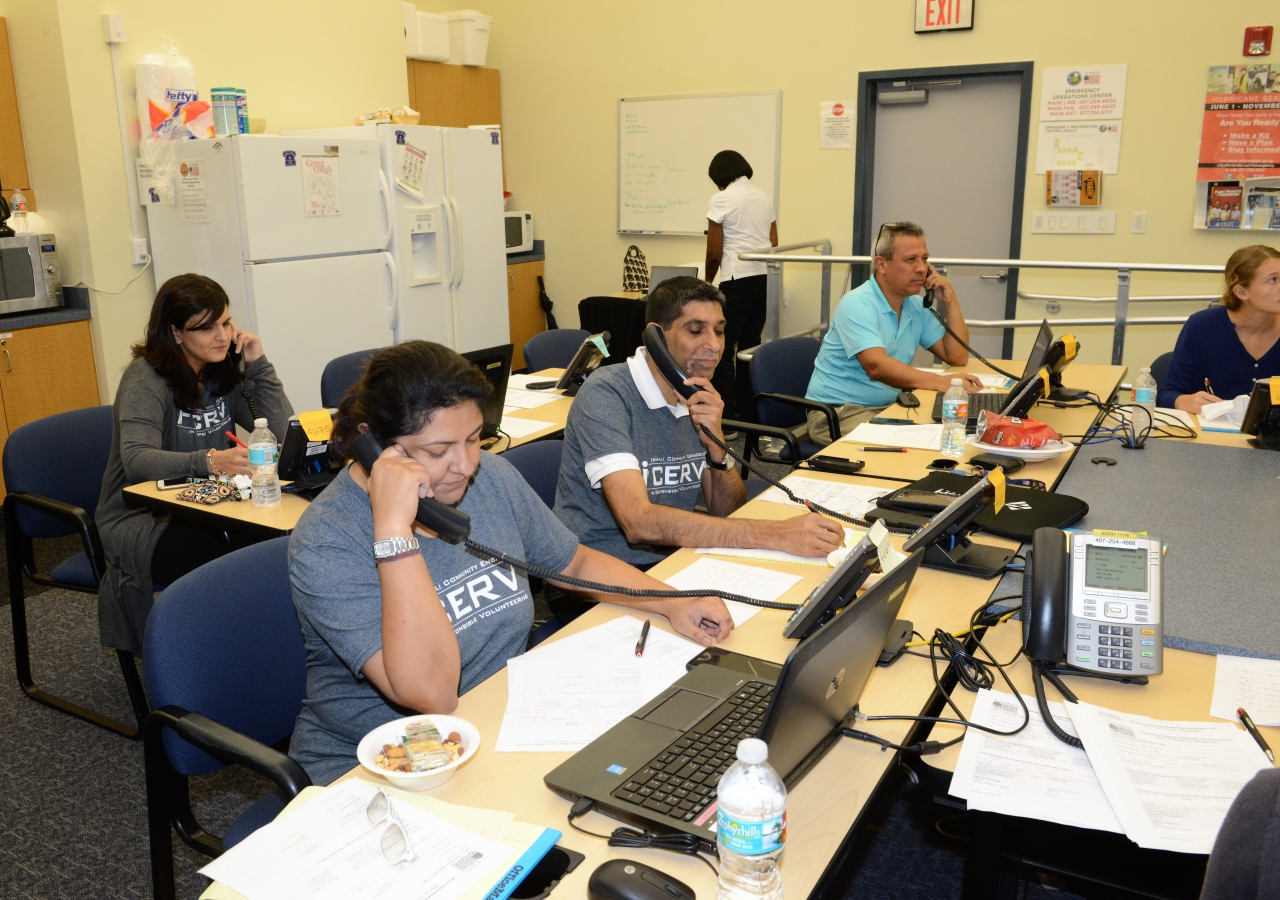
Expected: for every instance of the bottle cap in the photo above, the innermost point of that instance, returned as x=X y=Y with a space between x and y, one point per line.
x=1146 y=370
x=957 y=382
x=753 y=750
x=259 y=423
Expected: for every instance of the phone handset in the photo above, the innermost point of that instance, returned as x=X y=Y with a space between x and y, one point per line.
x=1045 y=583
x=452 y=525
x=655 y=344
x=932 y=294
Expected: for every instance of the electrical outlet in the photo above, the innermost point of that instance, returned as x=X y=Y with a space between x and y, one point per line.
x=113 y=28
x=140 y=253
x=1140 y=223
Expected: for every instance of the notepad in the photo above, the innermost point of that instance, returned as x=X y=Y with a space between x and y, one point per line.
x=775 y=555
x=838 y=496
x=518 y=428
x=917 y=437
x=1253 y=684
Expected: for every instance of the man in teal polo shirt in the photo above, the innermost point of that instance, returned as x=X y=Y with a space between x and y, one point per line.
x=865 y=358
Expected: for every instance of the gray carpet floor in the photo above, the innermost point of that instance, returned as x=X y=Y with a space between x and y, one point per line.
x=73 y=798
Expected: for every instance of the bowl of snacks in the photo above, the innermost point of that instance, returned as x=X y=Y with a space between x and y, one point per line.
x=418 y=753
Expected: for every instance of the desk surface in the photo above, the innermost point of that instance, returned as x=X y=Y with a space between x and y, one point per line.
x=1182 y=693
x=556 y=412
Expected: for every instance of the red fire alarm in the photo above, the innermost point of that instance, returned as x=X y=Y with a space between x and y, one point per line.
x=1257 y=41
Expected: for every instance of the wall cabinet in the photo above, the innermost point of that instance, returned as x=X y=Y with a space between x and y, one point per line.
x=454 y=96
x=44 y=370
x=523 y=306
x=13 y=153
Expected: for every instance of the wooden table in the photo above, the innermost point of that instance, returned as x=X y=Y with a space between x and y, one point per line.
x=911 y=466
x=273 y=521
x=822 y=809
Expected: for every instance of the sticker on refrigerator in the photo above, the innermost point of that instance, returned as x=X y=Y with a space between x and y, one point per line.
x=193 y=200
x=152 y=191
x=413 y=169
x=321 y=195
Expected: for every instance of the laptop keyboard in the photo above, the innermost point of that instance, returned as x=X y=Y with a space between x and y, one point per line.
x=681 y=780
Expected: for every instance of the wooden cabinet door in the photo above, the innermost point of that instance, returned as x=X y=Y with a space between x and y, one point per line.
x=523 y=307
x=46 y=370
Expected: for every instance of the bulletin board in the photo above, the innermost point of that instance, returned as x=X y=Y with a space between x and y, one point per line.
x=666 y=143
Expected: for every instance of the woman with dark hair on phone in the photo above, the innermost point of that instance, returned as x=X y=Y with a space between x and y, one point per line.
x=740 y=218
x=396 y=620
x=182 y=391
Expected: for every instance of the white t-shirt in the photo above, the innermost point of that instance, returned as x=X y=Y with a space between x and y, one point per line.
x=745 y=213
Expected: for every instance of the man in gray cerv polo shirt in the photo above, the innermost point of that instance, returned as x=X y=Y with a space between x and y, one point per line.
x=634 y=459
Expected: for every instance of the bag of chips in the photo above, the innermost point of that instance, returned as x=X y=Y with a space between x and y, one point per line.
x=1006 y=431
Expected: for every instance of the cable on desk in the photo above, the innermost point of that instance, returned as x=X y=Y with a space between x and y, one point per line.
x=688 y=844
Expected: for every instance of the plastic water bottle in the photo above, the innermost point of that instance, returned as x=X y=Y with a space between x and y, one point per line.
x=1144 y=390
x=18 y=209
x=751 y=826
x=263 y=455
x=955 y=417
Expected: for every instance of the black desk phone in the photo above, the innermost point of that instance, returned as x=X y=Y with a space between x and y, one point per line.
x=655 y=344
x=452 y=525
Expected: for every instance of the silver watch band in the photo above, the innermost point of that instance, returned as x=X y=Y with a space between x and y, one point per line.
x=389 y=547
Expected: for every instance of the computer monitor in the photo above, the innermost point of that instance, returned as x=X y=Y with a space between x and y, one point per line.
x=1262 y=417
x=945 y=539
x=835 y=592
x=495 y=363
x=584 y=362
x=659 y=274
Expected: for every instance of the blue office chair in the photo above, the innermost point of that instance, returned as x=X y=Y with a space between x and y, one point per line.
x=226 y=666
x=539 y=463
x=553 y=349
x=340 y=373
x=780 y=373
x=53 y=469
x=1160 y=367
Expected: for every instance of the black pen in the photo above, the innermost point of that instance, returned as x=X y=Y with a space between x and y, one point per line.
x=644 y=636
x=1253 y=730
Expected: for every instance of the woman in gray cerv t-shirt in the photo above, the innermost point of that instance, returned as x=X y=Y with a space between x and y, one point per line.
x=182 y=392
x=397 y=621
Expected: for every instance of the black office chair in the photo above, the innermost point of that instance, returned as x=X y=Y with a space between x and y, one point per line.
x=53 y=469
x=226 y=666
x=1160 y=367
x=553 y=349
x=780 y=373
x=539 y=463
x=1242 y=865
x=340 y=373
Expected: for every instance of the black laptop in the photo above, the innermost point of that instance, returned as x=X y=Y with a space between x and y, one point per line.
x=659 y=767
x=996 y=400
x=495 y=363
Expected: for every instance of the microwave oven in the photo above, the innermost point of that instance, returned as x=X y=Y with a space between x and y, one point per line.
x=29 y=274
x=519 y=229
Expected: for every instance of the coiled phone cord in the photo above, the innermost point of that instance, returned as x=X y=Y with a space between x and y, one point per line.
x=568 y=580
x=1040 y=671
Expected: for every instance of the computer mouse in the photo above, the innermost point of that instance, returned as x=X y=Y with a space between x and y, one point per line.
x=908 y=400
x=625 y=879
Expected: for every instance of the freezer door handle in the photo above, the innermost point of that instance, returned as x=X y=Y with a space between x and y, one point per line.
x=384 y=189
x=393 y=303
x=457 y=240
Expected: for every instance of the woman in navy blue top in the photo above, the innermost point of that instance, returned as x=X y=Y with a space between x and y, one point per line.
x=1223 y=349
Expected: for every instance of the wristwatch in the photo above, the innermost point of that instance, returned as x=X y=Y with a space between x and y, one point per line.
x=392 y=549
x=723 y=466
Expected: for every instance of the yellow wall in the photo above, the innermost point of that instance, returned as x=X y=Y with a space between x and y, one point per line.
x=565 y=64
x=304 y=63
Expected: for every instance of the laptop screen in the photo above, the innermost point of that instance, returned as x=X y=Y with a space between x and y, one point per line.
x=495 y=363
x=1035 y=359
x=659 y=274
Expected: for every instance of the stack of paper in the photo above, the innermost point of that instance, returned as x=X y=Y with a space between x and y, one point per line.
x=1167 y=785
x=518 y=428
x=838 y=496
x=918 y=437
x=565 y=694
x=749 y=581
x=333 y=850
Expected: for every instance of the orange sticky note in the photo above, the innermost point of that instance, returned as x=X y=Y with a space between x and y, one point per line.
x=996 y=478
x=317 y=423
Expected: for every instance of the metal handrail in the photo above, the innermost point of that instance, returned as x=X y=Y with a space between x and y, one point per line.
x=1035 y=323
x=1172 y=298
x=773 y=259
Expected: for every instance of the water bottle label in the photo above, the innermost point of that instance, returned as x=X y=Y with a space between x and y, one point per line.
x=262 y=456
x=955 y=409
x=1144 y=395
x=751 y=837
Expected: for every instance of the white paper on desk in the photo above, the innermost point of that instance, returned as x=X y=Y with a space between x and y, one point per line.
x=1170 y=783
x=1253 y=684
x=988 y=381
x=332 y=853
x=529 y=399
x=519 y=428
x=1218 y=425
x=750 y=581
x=1031 y=774
x=917 y=437
x=775 y=555
x=522 y=382
x=567 y=693
x=842 y=497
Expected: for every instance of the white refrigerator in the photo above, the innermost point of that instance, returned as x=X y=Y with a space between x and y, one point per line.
x=447 y=235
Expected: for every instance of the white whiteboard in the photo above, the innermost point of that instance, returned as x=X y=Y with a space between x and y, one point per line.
x=666 y=143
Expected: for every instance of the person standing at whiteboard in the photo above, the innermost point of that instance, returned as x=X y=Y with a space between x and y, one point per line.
x=740 y=219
